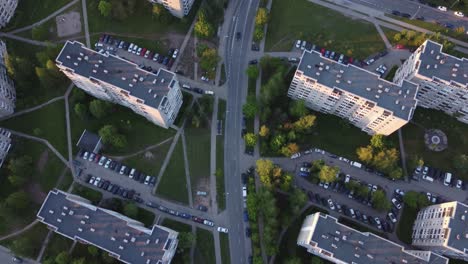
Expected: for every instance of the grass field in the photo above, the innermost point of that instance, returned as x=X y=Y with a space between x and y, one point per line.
x=300 y=19
x=198 y=141
x=150 y=166
x=88 y=193
x=204 y=250
x=224 y=241
x=181 y=257
x=457 y=135
x=57 y=244
x=30 y=11
x=66 y=182
x=184 y=109
x=220 y=197
x=405 y=225
x=390 y=34
x=173 y=184
x=49 y=119
x=29 y=243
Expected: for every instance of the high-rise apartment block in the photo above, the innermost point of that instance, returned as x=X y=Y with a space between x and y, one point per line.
x=155 y=96
x=443 y=229
x=123 y=238
x=5 y=144
x=373 y=104
x=323 y=236
x=7 y=10
x=178 y=8
x=7 y=88
x=442 y=79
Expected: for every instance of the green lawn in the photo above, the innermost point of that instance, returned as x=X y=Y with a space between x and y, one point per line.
x=50 y=120
x=224 y=241
x=150 y=165
x=198 y=141
x=181 y=256
x=204 y=250
x=173 y=184
x=81 y=251
x=49 y=176
x=390 y=34
x=220 y=197
x=289 y=248
x=57 y=244
x=66 y=182
x=30 y=11
x=391 y=73
x=184 y=109
x=140 y=22
x=88 y=193
x=405 y=225
x=146 y=217
x=140 y=133
x=457 y=135
x=29 y=243
x=300 y=19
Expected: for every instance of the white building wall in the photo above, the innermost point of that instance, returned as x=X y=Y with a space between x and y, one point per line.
x=7 y=10
x=7 y=89
x=178 y=8
x=5 y=144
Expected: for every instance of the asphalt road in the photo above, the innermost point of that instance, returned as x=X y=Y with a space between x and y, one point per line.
x=6 y=257
x=235 y=55
x=415 y=9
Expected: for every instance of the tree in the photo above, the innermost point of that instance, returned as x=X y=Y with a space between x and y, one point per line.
x=297 y=200
x=264 y=169
x=305 y=122
x=286 y=183
x=203 y=29
x=105 y=8
x=120 y=141
x=79 y=261
x=258 y=33
x=250 y=108
x=289 y=149
x=186 y=240
x=277 y=142
x=262 y=16
x=130 y=210
x=40 y=32
x=99 y=109
x=20 y=168
x=16 y=180
x=264 y=131
x=380 y=202
x=62 y=258
x=328 y=173
x=461 y=163
x=362 y=191
x=162 y=14
x=93 y=251
x=295 y=260
x=377 y=142
x=365 y=154
x=317 y=165
x=250 y=140
x=81 y=110
x=460 y=30
x=396 y=173
x=411 y=199
x=107 y=133
x=298 y=108
x=209 y=59
x=316 y=260
x=18 y=200
x=252 y=72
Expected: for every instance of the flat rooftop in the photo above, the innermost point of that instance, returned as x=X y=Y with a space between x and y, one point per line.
x=350 y=245
x=74 y=218
x=435 y=63
x=399 y=100
x=458 y=237
x=147 y=86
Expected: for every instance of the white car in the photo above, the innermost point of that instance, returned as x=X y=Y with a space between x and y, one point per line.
x=102 y=160
x=222 y=229
x=392 y=217
x=296 y=155
x=298 y=44
x=132 y=173
x=343 y=159
x=400 y=192
x=442 y=8
x=377 y=221
x=209 y=92
x=307 y=152
x=174 y=55
x=459 y=14
x=418 y=170
x=374 y=188
x=369 y=62
x=396 y=203
x=96 y=182
x=156 y=57
x=347 y=178
x=326 y=185
x=330 y=204
x=122 y=170
x=317 y=150
x=459 y=184
x=208 y=223
x=203 y=78
x=85 y=155
x=108 y=162
x=425 y=170
x=304 y=169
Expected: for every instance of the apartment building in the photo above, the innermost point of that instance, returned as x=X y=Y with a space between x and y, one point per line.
x=178 y=8
x=123 y=238
x=7 y=88
x=7 y=10
x=443 y=228
x=442 y=79
x=5 y=144
x=323 y=236
x=373 y=104
x=157 y=97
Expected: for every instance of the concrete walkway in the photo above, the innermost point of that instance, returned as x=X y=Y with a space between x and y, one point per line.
x=184 y=44
x=403 y=154
x=67 y=120
x=37 y=107
x=44 y=245
x=85 y=22
x=29 y=41
x=19 y=232
x=141 y=151
x=388 y=45
x=187 y=171
x=40 y=22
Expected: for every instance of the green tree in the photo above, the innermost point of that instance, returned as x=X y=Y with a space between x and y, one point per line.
x=252 y=206
x=298 y=108
x=130 y=210
x=203 y=28
x=209 y=59
x=18 y=200
x=328 y=173
x=162 y=14
x=264 y=131
x=250 y=108
x=21 y=166
x=105 y=8
x=107 y=133
x=99 y=109
x=93 y=251
x=297 y=200
x=264 y=168
x=365 y=154
x=317 y=165
x=461 y=163
x=377 y=142
x=289 y=149
x=262 y=16
x=79 y=261
x=62 y=258
x=277 y=142
x=396 y=173
x=294 y=260
x=81 y=110
x=380 y=202
x=252 y=71
x=286 y=182
x=40 y=32
x=119 y=141
x=258 y=33
x=250 y=140
x=362 y=191
x=305 y=122
x=411 y=199
x=186 y=240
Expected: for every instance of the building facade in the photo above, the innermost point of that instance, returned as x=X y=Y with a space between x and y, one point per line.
x=155 y=96
x=7 y=10
x=324 y=236
x=5 y=144
x=374 y=105
x=123 y=238
x=443 y=228
x=7 y=88
x=442 y=79
x=178 y=8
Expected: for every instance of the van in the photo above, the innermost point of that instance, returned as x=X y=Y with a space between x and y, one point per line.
x=447 y=178
x=356 y=164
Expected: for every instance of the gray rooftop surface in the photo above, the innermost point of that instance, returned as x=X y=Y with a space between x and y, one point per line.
x=89 y=141
x=117 y=69
x=106 y=226
x=458 y=237
x=357 y=81
x=433 y=55
x=382 y=250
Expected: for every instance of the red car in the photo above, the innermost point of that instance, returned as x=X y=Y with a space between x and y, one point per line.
x=143 y=51
x=97 y=158
x=322 y=51
x=197 y=219
x=399 y=46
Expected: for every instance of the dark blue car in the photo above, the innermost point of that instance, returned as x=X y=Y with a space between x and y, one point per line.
x=246 y=216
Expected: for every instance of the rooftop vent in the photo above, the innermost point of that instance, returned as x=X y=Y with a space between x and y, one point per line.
x=142 y=253
x=370 y=256
x=134 y=80
x=402 y=107
x=454 y=75
x=360 y=242
x=51 y=211
x=106 y=71
x=368 y=89
x=86 y=216
x=80 y=229
x=464 y=75
x=387 y=90
x=435 y=66
x=155 y=95
x=156 y=241
x=92 y=229
x=344 y=238
x=79 y=58
x=400 y=91
x=123 y=78
x=147 y=241
x=113 y=238
x=404 y=261
x=94 y=71
x=96 y=65
x=75 y=63
x=141 y=79
x=407 y=91
x=454 y=69
x=100 y=61
x=149 y=90
x=64 y=214
x=121 y=247
x=68 y=57
x=135 y=75
x=86 y=58
x=130 y=84
x=380 y=86
x=337 y=232
x=81 y=54
x=309 y=67
x=125 y=240
x=341 y=71
x=320 y=69
x=349 y=82
x=428 y=66
x=327 y=67
x=377 y=96
x=437 y=57
x=442 y=61
x=162 y=80
x=133 y=239
x=317 y=73
x=379 y=91
x=338 y=76
x=432 y=51
x=356 y=255
x=59 y=220
x=337 y=81
x=334 y=246
x=321 y=63
x=337 y=239
x=397 y=102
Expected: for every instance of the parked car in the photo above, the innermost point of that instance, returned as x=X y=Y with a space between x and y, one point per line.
x=176 y=52
x=330 y=204
x=296 y=155
x=378 y=223
x=458 y=14
x=298 y=44
x=202 y=208
x=392 y=217
x=396 y=203
x=208 y=223
x=427 y=178
x=222 y=229
x=442 y=8
x=459 y=184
